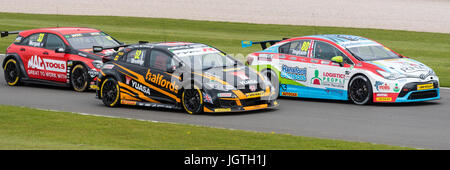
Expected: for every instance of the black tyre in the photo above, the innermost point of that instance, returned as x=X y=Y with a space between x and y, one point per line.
x=12 y=72
x=273 y=78
x=360 y=90
x=110 y=92
x=192 y=100
x=79 y=78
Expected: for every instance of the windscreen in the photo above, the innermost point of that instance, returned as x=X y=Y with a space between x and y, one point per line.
x=87 y=40
x=372 y=52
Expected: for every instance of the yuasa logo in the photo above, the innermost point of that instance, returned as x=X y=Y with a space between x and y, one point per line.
x=36 y=62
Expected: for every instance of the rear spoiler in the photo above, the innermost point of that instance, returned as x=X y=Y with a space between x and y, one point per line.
x=97 y=49
x=6 y=33
x=263 y=44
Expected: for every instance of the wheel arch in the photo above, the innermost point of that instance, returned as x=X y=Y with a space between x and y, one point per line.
x=20 y=63
x=350 y=80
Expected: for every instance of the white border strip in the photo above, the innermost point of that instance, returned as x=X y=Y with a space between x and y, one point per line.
x=445 y=88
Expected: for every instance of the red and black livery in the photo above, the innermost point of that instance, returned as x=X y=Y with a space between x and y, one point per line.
x=55 y=56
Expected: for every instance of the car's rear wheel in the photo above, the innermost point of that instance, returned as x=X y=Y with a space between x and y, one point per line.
x=192 y=100
x=273 y=78
x=360 y=90
x=11 y=71
x=110 y=92
x=79 y=78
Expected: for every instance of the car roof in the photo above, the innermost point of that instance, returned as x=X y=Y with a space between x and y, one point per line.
x=169 y=45
x=344 y=40
x=61 y=30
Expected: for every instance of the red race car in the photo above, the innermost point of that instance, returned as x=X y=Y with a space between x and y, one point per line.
x=56 y=56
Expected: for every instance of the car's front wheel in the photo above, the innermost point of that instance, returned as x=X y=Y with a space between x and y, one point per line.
x=360 y=90
x=110 y=92
x=11 y=71
x=192 y=100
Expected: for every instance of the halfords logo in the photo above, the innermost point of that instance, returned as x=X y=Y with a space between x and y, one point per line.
x=36 y=62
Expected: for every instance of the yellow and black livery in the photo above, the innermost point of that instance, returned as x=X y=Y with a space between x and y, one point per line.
x=180 y=75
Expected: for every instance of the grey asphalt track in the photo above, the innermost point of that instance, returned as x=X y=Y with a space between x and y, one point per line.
x=419 y=125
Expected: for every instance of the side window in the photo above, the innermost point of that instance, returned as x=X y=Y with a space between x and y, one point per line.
x=35 y=40
x=325 y=51
x=136 y=56
x=53 y=42
x=284 y=49
x=300 y=48
x=160 y=60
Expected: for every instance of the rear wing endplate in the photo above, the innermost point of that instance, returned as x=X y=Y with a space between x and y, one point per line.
x=6 y=33
x=246 y=43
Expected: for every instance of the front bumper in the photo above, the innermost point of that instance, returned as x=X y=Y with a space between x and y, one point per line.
x=263 y=104
x=411 y=93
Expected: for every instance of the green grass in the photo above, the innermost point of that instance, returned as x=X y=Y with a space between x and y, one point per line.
x=26 y=128
x=432 y=49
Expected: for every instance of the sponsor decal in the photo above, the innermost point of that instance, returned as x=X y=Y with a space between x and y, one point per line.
x=254 y=94
x=224 y=95
x=108 y=66
x=222 y=110
x=248 y=81
x=383 y=99
x=294 y=73
x=159 y=80
x=140 y=87
x=283 y=87
x=334 y=91
x=325 y=62
x=411 y=67
x=77 y=35
x=38 y=63
x=265 y=57
x=93 y=73
x=246 y=44
x=333 y=79
x=126 y=102
x=396 y=88
x=127 y=79
x=289 y=94
x=425 y=86
x=207 y=98
x=380 y=86
x=316 y=80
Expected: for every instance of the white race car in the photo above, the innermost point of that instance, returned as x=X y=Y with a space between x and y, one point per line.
x=343 y=67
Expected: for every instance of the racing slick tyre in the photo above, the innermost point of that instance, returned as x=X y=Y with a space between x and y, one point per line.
x=110 y=92
x=79 y=78
x=273 y=78
x=192 y=100
x=360 y=90
x=12 y=72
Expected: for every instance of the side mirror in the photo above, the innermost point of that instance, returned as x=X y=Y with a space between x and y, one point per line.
x=61 y=50
x=174 y=68
x=171 y=69
x=338 y=59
